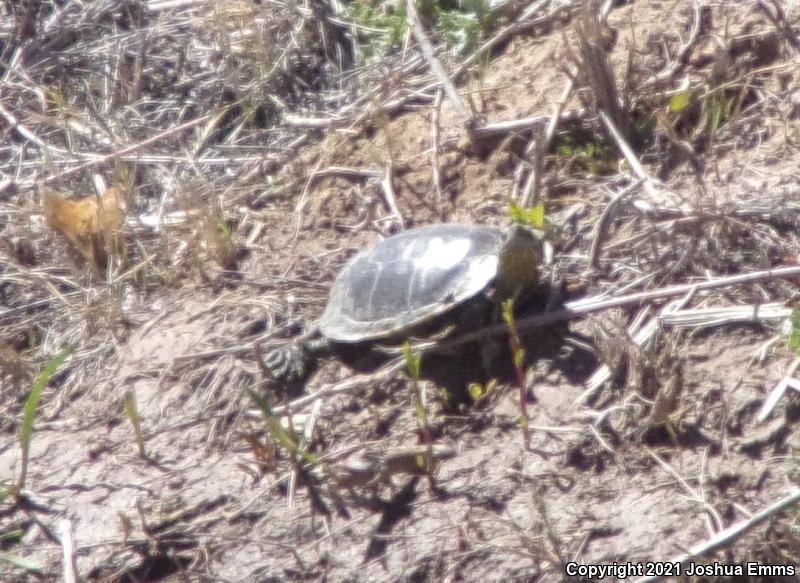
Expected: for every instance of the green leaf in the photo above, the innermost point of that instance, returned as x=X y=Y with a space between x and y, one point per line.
x=413 y=361
x=21 y=562
x=537 y=216
x=794 y=335
x=275 y=428
x=530 y=217
x=132 y=412
x=476 y=391
x=716 y=115
x=12 y=535
x=31 y=407
x=508 y=312
x=519 y=358
x=680 y=101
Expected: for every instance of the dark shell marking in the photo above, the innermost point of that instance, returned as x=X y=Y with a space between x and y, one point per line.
x=408 y=279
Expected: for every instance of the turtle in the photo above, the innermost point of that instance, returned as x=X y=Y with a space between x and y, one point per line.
x=421 y=280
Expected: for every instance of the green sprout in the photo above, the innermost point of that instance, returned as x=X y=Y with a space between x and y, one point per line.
x=132 y=413
x=31 y=407
x=794 y=335
x=480 y=392
x=530 y=217
x=287 y=439
x=518 y=354
x=414 y=365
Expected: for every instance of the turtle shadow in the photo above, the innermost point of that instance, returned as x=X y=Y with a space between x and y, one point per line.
x=456 y=371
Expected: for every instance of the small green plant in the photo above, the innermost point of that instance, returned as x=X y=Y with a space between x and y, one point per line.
x=132 y=413
x=596 y=158
x=21 y=562
x=518 y=356
x=31 y=408
x=720 y=108
x=693 y=115
x=414 y=365
x=794 y=334
x=462 y=24
x=480 y=392
x=680 y=102
x=285 y=438
x=531 y=217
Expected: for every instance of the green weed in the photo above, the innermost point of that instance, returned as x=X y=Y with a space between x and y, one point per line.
x=31 y=407
x=462 y=24
x=518 y=355
x=414 y=365
x=794 y=335
x=132 y=413
x=285 y=438
x=531 y=217
x=596 y=158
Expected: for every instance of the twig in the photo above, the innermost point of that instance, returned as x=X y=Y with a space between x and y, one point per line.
x=586 y=306
x=630 y=156
x=21 y=129
x=730 y=534
x=349 y=172
x=601 y=229
x=524 y=124
x=314 y=123
x=530 y=192
x=342 y=387
x=778 y=392
x=696 y=495
x=678 y=60
x=435 y=176
x=721 y=315
x=435 y=65
x=68 y=552
x=132 y=148
x=388 y=192
x=540 y=145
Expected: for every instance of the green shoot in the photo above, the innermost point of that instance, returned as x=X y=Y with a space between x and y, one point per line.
x=479 y=392
x=31 y=407
x=530 y=217
x=596 y=158
x=419 y=394
x=722 y=106
x=518 y=354
x=132 y=412
x=794 y=335
x=680 y=102
x=462 y=26
x=287 y=439
x=22 y=563
x=14 y=535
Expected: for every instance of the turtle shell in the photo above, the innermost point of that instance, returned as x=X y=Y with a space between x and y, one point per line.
x=410 y=278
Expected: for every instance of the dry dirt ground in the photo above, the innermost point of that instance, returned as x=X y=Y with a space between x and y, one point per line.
x=607 y=477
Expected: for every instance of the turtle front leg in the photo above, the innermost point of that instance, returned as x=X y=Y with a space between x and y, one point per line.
x=290 y=365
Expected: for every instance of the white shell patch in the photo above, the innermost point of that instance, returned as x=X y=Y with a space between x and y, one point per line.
x=441 y=255
x=482 y=271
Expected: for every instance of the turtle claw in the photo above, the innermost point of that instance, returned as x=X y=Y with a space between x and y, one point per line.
x=288 y=365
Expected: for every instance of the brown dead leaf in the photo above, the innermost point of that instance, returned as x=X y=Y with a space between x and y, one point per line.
x=93 y=229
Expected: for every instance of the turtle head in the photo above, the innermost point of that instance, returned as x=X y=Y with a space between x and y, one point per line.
x=519 y=259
